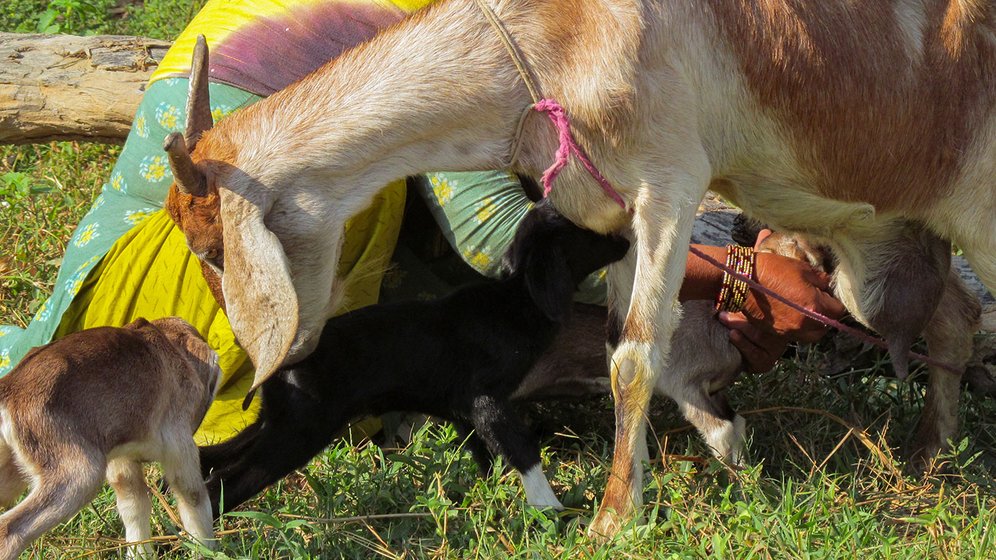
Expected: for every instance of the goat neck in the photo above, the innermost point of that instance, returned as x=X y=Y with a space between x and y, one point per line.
x=436 y=92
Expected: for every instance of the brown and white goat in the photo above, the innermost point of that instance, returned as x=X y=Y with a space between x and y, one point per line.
x=101 y=402
x=867 y=125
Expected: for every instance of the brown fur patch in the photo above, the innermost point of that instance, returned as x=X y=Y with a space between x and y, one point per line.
x=619 y=487
x=840 y=78
x=199 y=217
x=636 y=329
x=129 y=394
x=574 y=30
x=57 y=371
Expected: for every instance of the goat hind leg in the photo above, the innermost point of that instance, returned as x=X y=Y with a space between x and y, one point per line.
x=949 y=339
x=12 y=482
x=56 y=496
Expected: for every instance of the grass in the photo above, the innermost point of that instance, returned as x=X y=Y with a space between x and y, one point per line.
x=826 y=477
x=817 y=487
x=44 y=192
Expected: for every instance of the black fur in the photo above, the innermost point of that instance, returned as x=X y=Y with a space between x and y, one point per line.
x=457 y=358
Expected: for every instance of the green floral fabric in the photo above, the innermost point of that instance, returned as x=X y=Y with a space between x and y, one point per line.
x=136 y=189
x=479 y=213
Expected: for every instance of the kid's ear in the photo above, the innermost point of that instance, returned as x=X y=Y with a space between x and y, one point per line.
x=548 y=279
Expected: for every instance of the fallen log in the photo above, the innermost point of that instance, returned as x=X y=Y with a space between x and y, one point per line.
x=64 y=87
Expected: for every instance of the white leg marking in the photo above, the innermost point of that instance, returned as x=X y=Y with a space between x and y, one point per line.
x=727 y=440
x=182 y=468
x=539 y=494
x=134 y=506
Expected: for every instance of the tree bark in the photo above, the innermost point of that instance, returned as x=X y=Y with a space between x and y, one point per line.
x=64 y=87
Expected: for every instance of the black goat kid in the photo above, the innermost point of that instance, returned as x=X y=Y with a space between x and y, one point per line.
x=458 y=358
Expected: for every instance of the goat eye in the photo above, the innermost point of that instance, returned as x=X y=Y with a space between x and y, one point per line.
x=210 y=254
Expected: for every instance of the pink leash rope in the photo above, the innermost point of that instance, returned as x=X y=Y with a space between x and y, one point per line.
x=568 y=146
x=865 y=337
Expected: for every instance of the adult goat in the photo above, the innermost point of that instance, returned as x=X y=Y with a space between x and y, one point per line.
x=867 y=125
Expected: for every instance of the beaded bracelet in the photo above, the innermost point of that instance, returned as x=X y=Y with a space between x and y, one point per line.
x=733 y=293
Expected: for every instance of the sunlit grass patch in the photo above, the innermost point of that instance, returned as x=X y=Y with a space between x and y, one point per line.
x=45 y=190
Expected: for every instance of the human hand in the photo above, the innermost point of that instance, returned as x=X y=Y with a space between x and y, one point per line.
x=798 y=282
x=760 y=349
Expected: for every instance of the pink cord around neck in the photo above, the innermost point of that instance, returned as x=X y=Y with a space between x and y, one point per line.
x=568 y=145
x=865 y=337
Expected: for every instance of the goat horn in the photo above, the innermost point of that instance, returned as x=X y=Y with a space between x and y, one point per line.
x=188 y=178
x=198 y=97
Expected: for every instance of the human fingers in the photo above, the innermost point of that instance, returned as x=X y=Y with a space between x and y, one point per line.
x=812 y=329
x=733 y=320
x=756 y=358
x=760 y=348
x=817 y=278
x=830 y=306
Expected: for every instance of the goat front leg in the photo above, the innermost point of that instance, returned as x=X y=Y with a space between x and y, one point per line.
x=505 y=434
x=181 y=466
x=662 y=225
x=134 y=505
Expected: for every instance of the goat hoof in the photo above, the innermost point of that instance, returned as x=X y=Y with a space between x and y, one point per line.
x=556 y=507
x=605 y=525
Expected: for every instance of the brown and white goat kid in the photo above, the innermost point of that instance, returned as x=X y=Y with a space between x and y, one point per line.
x=101 y=402
x=868 y=125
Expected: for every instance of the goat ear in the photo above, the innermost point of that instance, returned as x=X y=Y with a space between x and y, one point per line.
x=548 y=279
x=198 y=97
x=259 y=294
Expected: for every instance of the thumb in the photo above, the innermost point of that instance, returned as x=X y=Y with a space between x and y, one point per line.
x=821 y=280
